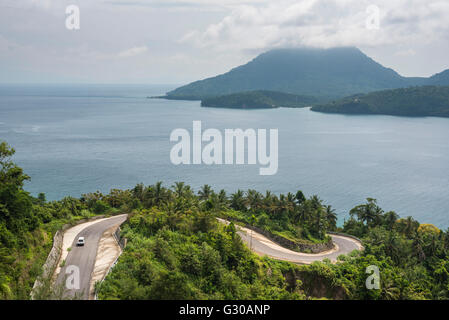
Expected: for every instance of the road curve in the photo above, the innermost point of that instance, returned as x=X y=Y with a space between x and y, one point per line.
x=264 y=246
x=84 y=257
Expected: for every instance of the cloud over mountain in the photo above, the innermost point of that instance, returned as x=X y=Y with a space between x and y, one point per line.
x=324 y=23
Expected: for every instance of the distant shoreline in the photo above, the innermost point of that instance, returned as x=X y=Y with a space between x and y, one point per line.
x=428 y=101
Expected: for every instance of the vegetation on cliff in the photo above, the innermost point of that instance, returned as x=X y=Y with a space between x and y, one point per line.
x=174 y=239
x=27 y=227
x=177 y=249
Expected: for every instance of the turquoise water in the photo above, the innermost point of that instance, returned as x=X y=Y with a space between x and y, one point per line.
x=78 y=139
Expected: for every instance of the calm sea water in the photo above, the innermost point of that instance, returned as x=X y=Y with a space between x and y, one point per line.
x=77 y=139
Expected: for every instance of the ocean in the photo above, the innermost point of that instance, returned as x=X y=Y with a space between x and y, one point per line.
x=75 y=139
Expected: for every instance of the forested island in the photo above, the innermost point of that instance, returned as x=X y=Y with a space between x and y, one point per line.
x=326 y=74
x=261 y=99
x=412 y=101
x=177 y=249
x=335 y=80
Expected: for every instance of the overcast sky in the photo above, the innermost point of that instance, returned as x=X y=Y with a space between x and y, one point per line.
x=178 y=41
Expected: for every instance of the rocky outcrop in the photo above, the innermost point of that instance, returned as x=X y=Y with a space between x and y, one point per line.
x=315 y=286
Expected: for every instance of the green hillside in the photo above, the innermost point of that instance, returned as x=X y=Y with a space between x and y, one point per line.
x=258 y=99
x=178 y=250
x=413 y=101
x=439 y=79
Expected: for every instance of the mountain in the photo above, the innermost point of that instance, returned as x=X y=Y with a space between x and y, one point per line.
x=440 y=79
x=324 y=73
x=412 y=101
x=258 y=99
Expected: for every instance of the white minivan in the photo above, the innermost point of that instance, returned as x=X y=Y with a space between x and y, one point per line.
x=80 y=242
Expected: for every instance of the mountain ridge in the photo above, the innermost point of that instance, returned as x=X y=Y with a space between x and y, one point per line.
x=324 y=73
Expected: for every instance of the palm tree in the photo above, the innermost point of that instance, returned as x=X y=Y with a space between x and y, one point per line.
x=418 y=250
x=303 y=212
x=267 y=201
x=268 y=195
x=290 y=203
x=188 y=192
x=315 y=202
x=223 y=198
x=389 y=289
x=270 y=204
x=178 y=187
x=205 y=192
x=411 y=226
x=392 y=246
x=139 y=191
x=321 y=224
x=212 y=203
x=390 y=219
x=238 y=201
x=158 y=193
x=331 y=217
x=285 y=206
x=274 y=208
x=300 y=198
x=369 y=213
x=253 y=200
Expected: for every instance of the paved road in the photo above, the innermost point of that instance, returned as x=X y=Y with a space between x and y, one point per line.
x=84 y=257
x=263 y=246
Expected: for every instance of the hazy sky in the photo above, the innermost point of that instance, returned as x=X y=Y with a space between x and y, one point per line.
x=178 y=41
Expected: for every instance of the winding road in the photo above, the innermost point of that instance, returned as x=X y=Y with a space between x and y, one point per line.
x=84 y=257
x=264 y=246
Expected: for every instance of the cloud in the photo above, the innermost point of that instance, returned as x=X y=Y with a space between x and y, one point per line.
x=196 y=5
x=323 y=23
x=132 y=52
x=405 y=53
x=184 y=40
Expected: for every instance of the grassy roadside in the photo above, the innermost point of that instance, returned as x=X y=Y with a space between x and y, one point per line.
x=21 y=266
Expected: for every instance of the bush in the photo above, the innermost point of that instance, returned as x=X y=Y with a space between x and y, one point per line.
x=100 y=207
